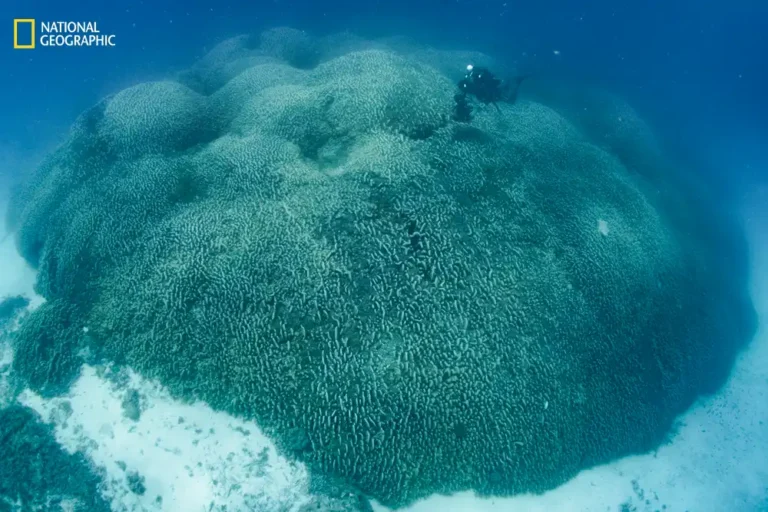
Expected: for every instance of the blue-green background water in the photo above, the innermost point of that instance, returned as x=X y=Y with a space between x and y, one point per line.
x=697 y=69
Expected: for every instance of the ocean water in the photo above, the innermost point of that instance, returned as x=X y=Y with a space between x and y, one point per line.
x=254 y=259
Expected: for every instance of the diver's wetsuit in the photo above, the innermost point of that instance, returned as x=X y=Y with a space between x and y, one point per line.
x=483 y=85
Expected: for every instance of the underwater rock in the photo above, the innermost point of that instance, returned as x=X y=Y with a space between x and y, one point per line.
x=10 y=307
x=36 y=473
x=136 y=483
x=132 y=405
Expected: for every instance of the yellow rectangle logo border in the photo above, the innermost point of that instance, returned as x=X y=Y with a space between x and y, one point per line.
x=16 y=44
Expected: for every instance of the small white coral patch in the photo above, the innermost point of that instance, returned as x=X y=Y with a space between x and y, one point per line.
x=602 y=227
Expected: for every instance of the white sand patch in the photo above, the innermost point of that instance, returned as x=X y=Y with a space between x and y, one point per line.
x=16 y=277
x=189 y=456
x=717 y=462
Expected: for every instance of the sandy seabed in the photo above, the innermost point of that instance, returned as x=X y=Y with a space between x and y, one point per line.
x=192 y=458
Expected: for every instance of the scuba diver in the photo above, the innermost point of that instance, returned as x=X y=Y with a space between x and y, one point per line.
x=483 y=85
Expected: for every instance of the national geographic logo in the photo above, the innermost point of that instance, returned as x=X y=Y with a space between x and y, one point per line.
x=19 y=41
x=27 y=35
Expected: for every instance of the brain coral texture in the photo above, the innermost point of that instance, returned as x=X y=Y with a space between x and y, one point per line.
x=295 y=231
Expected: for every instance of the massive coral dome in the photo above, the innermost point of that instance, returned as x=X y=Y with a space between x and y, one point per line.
x=296 y=232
